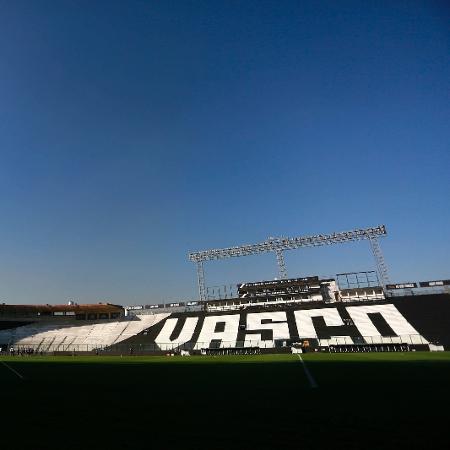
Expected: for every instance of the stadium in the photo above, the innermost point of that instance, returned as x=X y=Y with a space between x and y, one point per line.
x=352 y=312
x=344 y=358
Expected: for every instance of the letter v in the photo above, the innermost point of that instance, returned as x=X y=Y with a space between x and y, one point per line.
x=163 y=339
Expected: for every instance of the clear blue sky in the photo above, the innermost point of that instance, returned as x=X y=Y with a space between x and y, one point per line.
x=134 y=132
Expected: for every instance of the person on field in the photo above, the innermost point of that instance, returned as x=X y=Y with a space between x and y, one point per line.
x=305 y=346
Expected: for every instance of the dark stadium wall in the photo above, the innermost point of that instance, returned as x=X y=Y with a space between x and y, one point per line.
x=428 y=313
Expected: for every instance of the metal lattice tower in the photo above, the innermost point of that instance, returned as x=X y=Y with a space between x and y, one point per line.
x=201 y=280
x=379 y=260
x=281 y=264
x=279 y=245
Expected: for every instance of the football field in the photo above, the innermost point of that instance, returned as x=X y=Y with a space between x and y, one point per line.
x=351 y=401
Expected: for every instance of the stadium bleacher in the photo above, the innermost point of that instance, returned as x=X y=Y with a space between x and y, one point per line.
x=357 y=326
x=371 y=325
x=71 y=336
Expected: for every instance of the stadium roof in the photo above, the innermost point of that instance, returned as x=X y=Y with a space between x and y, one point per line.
x=94 y=308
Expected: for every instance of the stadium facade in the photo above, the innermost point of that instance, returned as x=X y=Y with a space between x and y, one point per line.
x=347 y=313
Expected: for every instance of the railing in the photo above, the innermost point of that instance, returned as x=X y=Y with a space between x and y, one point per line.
x=415 y=339
x=412 y=339
x=419 y=291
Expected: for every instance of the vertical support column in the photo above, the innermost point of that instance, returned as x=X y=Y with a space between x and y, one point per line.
x=379 y=259
x=201 y=281
x=281 y=264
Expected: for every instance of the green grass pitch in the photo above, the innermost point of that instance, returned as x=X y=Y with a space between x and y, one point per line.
x=363 y=401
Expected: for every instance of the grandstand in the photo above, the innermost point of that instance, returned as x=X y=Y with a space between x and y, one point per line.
x=269 y=316
x=276 y=328
x=43 y=336
x=70 y=327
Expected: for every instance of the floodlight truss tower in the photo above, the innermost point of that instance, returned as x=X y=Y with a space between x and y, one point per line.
x=201 y=280
x=279 y=245
x=379 y=260
x=281 y=264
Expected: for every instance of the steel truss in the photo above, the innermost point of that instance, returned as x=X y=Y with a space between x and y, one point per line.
x=279 y=245
x=379 y=260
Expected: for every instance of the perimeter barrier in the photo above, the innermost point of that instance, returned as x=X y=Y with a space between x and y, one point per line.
x=265 y=345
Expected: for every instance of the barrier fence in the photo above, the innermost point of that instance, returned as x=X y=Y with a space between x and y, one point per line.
x=198 y=346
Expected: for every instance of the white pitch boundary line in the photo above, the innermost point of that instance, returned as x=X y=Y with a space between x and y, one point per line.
x=13 y=370
x=312 y=381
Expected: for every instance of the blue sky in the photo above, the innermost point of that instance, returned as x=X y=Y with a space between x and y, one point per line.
x=134 y=132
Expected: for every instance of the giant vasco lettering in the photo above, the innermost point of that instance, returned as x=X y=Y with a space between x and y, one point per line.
x=371 y=323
